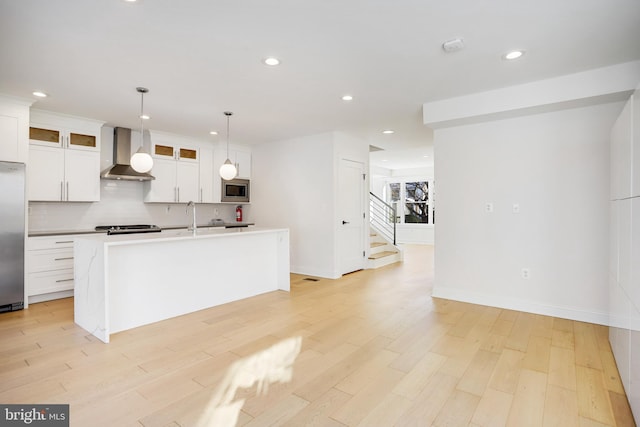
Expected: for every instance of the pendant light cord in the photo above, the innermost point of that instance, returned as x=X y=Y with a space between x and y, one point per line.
x=227 y=136
x=228 y=114
x=141 y=118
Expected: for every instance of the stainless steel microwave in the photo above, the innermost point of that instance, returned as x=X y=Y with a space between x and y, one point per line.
x=236 y=190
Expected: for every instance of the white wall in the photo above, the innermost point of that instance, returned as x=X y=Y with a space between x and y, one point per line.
x=556 y=167
x=294 y=186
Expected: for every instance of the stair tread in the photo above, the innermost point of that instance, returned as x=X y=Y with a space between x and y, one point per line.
x=382 y=254
x=376 y=244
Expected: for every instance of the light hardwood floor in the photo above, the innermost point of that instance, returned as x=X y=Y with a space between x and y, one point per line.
x=377 y=350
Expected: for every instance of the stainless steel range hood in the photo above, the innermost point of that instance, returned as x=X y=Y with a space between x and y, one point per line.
x=121 y=168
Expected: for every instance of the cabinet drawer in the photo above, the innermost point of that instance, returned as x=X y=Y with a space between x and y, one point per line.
x=50 y=259
x=49 y=242
x=50 y=281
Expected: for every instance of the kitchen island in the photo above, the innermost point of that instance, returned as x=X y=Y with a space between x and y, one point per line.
x=126 y=281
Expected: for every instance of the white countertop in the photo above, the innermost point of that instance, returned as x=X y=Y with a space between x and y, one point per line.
x=46 y=233
x=174 y=235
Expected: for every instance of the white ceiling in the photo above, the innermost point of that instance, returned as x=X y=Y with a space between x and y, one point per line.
x=201 y=57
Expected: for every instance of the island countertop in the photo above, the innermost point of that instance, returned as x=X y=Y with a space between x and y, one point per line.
x=129 y=280
x=177 y=234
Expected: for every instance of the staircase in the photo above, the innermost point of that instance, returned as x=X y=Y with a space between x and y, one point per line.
x=382 y=218
x=382 y=252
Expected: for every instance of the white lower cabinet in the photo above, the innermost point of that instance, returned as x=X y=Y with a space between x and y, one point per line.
x=50 y=267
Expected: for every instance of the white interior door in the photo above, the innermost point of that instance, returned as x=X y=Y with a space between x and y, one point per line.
x=351 y=227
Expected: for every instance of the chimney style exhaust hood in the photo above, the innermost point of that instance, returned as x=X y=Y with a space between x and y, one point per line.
x=121 y=168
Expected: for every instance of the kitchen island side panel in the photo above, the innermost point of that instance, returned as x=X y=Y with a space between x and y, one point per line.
x=90 y=299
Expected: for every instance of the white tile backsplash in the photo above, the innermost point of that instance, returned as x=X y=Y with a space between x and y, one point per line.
x=121 y=202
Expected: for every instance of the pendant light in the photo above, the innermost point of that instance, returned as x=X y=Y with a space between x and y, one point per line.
x=228 y=170
x=141 y=161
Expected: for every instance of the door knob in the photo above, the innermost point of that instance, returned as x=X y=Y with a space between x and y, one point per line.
x=345 y=222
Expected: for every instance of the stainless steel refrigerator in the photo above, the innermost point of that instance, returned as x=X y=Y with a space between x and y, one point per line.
x=12 y=230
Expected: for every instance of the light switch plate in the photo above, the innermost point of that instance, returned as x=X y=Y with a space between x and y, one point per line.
x=488 y=207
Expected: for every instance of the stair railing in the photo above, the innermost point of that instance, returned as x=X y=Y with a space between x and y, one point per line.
x=383 y=217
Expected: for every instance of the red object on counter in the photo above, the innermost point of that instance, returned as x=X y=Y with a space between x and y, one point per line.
x=238 y=213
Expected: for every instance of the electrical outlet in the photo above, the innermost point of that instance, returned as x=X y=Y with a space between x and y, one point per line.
x=168 y=208
x=488 y=207
x=516 y=208
x=216 y=212
x=526 y=274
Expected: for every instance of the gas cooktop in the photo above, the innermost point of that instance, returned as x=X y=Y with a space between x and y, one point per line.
x=129 y=229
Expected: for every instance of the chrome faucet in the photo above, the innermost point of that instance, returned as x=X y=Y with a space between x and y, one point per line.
x=193 y=227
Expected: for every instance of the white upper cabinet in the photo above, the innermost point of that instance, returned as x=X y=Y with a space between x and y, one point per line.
x=176 y=169
x=243 y=163
x=14 y=124
x=64 y=158
x=51 y=136
x=240 y=158
x=45 y=174
x=206 y=176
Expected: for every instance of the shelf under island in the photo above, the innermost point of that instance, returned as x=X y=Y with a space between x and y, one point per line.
x=126 y=281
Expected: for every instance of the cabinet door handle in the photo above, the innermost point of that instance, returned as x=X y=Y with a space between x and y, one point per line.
x=64 y=280
x=62 y=259
x=178 y=199
x=67 y=191
x=64 y=241
x=201 y=195
x=61 y=191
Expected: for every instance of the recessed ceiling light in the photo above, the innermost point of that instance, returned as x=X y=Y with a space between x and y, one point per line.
x=385 y=160
x=145 y=117
x=272 y=61
x=214 y=132
x=388 y=131
x=40 y=94
x=347 y=98
x=514 y=54
x=425 y=156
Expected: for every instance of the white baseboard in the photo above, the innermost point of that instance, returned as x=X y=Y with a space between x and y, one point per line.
x=51 y=296
x=315 y=273
x=572 y=313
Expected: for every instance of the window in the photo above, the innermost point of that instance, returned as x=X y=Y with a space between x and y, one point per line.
x=413 y=201
x=395 y=191
x=416 y=197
